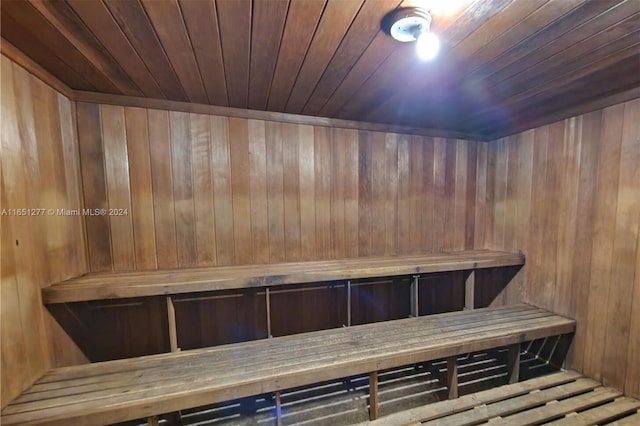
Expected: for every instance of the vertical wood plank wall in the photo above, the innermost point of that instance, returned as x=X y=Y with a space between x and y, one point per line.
x=40 y=169
x=568 y=195
x=203 y=190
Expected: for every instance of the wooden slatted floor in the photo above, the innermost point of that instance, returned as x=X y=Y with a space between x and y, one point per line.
x=126 y=389
x=97 y=286
x=564 y=398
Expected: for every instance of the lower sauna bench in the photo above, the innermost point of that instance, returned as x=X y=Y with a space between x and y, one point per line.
x=560 y=399
x=116 y=391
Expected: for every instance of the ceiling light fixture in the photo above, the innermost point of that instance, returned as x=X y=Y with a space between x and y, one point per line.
x=413 y=24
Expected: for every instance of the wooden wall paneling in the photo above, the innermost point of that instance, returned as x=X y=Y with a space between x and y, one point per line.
x=303 y=304
x=417 y=193
x=167 y=20
x=134 y=23
x=337 y=192
x=603 y=239
x=536 y=237
x=258 y=191
x=223 y=204
x=182 y=170
x=236 y=45
x=24 y=117
x=267 y=28
x=380 y=299
x=427 y=202
x=626 y=231
x=13 y=355
x=118 y=187
x=439 y=178
x=581 y=262
x=379 y=182
x=404 y=202
x=301 y=24
x=142 y=215
x=512 y=188
x=449 y=189
x=64 y=351
x=21 y=287
x=275 y=191
x=39 y=170
x=365 y=193
x=351 y=192
x=391 y=194
x=567 y=215
x=306 y=174
x=291 y=191
x=323 y=173
x=76 y=247
x=460 y=190
x=336 y=18
x=500 y=183
x=481 y=197
x=470 y=203
x=632 y=380
x=108 y=33
x=240 y=190
x=205 y=229
x=201 y=20
x=162 y=187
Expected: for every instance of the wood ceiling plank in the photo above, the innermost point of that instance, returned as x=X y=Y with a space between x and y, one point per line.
x=166 y=19
x=201 y=20
x=620 y=74
x=24 y=40
x=336 y=20
x=268 y=26
x=97 y=17
x=568 y=74
x=360 y=35
x=302 y=20
x=60 y=15
x=134 y=23
x=234 y=19
x=454 y=70
x=403 y=69
x=583 y=39
x=46 y=33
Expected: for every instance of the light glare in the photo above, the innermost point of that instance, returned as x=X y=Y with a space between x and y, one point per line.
x=427 y=46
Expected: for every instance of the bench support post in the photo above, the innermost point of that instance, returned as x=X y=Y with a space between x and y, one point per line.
x=513 y=363
x=267 y=296
x=452 y=377
x=173 y=331
x=152 y=421
x=348 y=303
x=414 y=296
x=373 y=395
x=278 y=409
x=469 y=290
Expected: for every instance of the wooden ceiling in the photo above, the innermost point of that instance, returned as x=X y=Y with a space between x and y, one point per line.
x=504 y=65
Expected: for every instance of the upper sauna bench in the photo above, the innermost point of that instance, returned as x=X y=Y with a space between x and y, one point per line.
x=114 y=285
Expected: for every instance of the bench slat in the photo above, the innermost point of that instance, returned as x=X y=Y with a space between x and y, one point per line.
x=151 y=283
x=232 y=371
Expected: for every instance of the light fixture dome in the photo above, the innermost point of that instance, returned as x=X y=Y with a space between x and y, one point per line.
x=409 y=24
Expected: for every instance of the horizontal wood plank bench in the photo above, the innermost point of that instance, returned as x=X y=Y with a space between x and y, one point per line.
x=564 y=398
x=114 y=391
x=97 y=286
